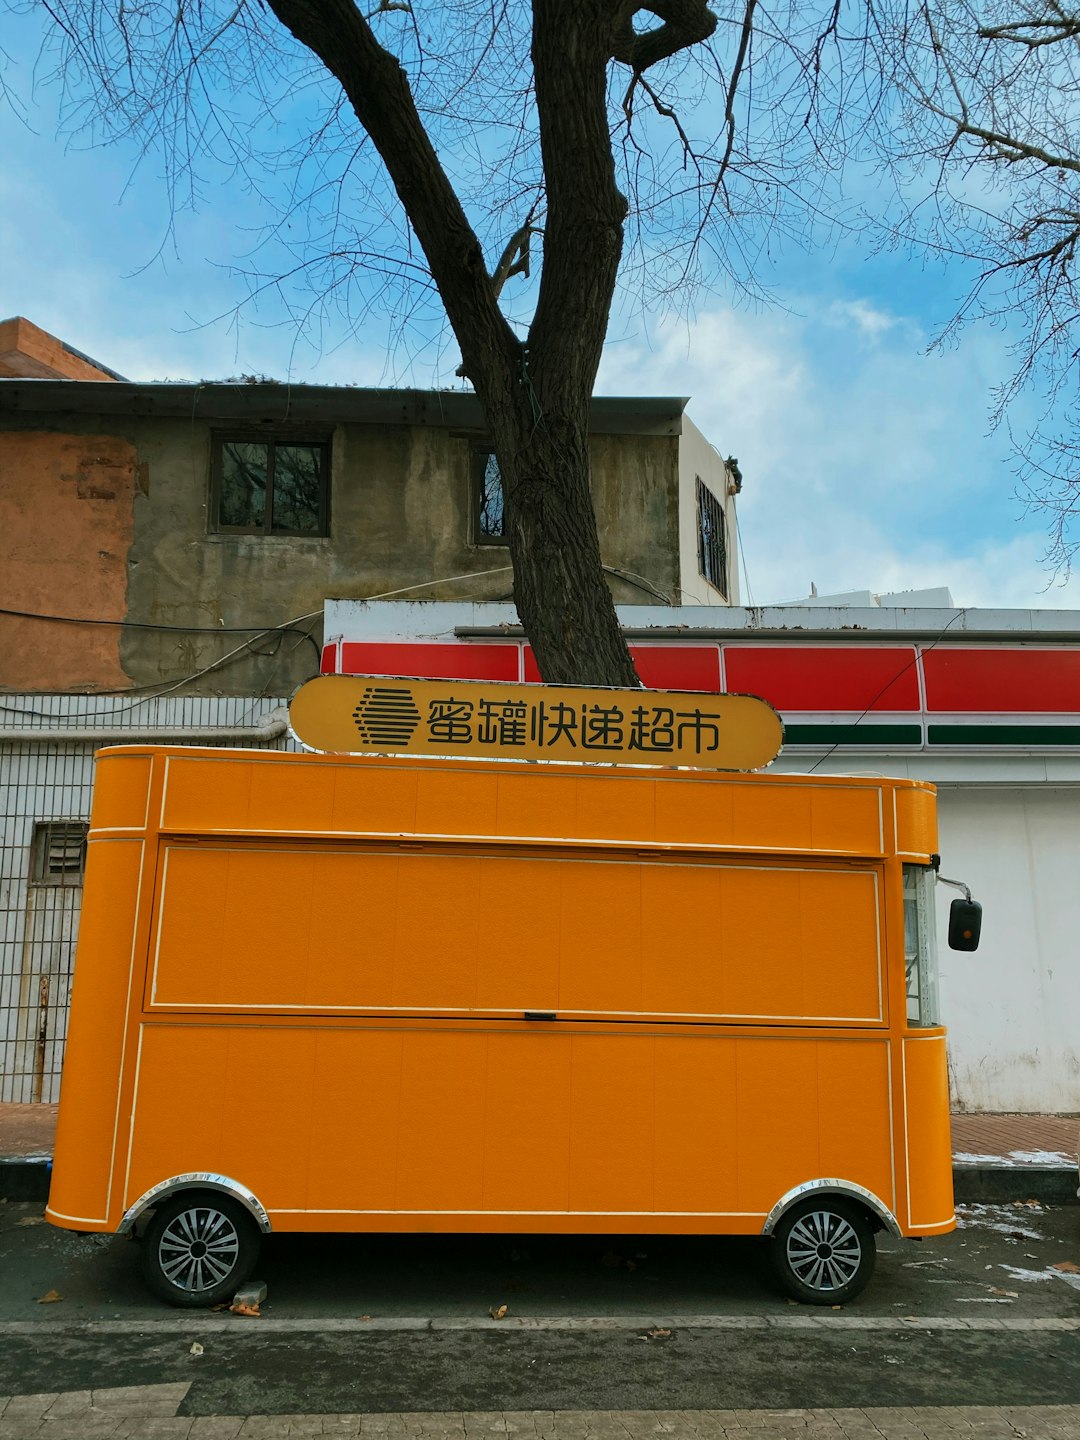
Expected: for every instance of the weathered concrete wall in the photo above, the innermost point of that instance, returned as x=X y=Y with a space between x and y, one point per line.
x=636 y=498
x=400 y=522
x=66 y=526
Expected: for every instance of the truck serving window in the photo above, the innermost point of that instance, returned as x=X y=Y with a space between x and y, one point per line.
x=920 y=951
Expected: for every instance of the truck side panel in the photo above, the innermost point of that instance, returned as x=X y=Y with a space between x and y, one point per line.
x=108 y=972
x=254 y=928
x=276 y=794
x=462 y=1125
x=927 y=1139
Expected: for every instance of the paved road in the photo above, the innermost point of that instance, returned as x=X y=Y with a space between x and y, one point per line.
x=986 y=1317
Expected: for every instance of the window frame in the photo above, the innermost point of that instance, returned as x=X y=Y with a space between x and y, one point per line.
x=712 y=545
x=480 y=452
x=317 y=438
x=923 y=1001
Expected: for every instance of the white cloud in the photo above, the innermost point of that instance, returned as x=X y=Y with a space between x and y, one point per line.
x=869 y=320
x=867 y=467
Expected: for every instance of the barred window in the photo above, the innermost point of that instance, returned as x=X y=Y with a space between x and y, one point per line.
x=271 y=486
x=58 y=852
x=712 y=539
x=489 y=502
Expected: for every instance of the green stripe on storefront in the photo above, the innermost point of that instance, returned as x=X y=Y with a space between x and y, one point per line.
x=1029 y=735
x=852 y=734
x=879 y=736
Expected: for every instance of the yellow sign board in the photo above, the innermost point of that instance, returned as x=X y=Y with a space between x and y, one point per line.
x=486 y=720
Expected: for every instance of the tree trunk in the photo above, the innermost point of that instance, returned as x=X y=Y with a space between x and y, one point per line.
x=559 y=587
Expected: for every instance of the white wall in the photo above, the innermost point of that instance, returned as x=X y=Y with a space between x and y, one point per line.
x=1013 y=1007
x=698 y=457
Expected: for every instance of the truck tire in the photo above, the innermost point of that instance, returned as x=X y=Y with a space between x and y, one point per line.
x=823 y=1250
x=198 y=1249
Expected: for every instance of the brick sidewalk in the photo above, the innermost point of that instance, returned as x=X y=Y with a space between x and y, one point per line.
x=142 y=1412
x=26 y=1130
x=1019 y=1139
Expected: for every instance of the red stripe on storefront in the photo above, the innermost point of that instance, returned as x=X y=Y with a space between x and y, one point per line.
x=450 y=661
x=663 y=667
x=1002 y=681
x=822 y=678
x=805 y=678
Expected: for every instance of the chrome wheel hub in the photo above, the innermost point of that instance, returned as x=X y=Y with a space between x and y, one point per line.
x=198 y=1249
x=823 y=1250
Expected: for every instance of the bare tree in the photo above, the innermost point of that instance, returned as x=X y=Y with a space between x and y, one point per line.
x=431 y=130
x=984 y=137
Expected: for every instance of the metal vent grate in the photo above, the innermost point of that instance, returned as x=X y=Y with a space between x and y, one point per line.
x=58 y=852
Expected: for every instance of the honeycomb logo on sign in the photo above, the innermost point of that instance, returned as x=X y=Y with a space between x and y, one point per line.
x=386 y=716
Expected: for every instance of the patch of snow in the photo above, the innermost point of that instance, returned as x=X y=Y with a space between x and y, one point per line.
x=1003 y=1218
x=1016 y=1158
x=1032 y=1277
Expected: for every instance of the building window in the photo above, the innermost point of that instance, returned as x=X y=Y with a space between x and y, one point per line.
x=712 y=538
x=489 y=503
x=264 y=486
x=58 y=852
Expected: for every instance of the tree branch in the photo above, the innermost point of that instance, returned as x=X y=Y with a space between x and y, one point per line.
x=379 y=93
x=685 y=23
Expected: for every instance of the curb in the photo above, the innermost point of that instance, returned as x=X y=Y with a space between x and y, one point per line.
x=1000 y=1184
x=27 y=1178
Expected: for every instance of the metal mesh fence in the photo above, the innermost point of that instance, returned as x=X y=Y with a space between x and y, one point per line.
x=45 y=787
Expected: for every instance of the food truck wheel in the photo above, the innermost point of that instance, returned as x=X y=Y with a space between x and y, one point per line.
x=198 y=1249
x=823 y=1250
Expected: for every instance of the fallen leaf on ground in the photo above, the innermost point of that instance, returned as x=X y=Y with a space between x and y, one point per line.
x=1012 y=1294
x=196 y=1348
x=659 y=1334
x=31 y=1220
x=252 y=1310
x=50 y=1297
x=498 y=1312
x=1067 y=1266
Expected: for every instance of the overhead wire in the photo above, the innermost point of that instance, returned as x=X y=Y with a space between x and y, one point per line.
x=919 y=652
x=158 y=689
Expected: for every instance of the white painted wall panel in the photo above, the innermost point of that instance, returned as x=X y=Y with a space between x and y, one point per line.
x=1013 y=1007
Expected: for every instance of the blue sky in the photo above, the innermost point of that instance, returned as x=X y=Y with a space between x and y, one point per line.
x=867 y=457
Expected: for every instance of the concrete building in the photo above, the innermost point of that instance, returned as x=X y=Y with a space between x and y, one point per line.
x=166 y=550
x=214 y=508
x=28 y=352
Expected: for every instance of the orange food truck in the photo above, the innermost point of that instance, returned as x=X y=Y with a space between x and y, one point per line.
x=359 y=993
